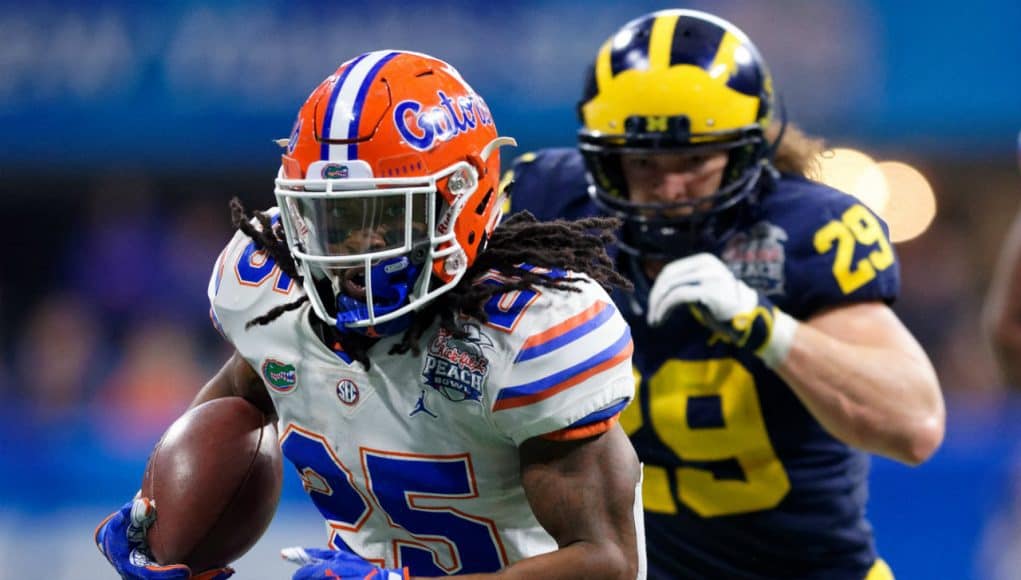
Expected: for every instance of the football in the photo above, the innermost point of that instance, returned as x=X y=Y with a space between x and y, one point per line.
x=215 y=477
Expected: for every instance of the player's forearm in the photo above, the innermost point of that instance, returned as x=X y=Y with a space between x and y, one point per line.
x=876 y=399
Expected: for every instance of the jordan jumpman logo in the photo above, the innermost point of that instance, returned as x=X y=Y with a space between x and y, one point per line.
x=420 y=407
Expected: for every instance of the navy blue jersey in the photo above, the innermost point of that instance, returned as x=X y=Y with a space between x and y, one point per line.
x=740 y=481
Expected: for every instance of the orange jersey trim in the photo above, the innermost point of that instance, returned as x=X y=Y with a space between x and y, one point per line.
x=583 y=432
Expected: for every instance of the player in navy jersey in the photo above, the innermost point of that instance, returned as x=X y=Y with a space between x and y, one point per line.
x=768 y=362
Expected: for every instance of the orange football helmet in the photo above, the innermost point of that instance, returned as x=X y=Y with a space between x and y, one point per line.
x=388 y=189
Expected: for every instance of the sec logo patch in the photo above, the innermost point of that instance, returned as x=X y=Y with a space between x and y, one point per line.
x=347 y=391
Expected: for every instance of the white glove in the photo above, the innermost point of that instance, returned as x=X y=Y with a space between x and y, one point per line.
x=724 y=303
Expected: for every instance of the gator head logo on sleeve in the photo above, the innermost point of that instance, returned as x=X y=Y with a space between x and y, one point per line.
x=281 y=377
x=457 y=367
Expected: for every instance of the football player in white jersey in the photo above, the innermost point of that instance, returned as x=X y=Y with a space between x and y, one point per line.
x=448 y=388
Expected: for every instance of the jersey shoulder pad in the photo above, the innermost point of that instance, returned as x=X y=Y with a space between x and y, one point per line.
x=550 y=183
x=245 y=283
x=568 y=358
x=834 y=248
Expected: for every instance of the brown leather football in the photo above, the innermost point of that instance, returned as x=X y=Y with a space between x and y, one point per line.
x=215 y=477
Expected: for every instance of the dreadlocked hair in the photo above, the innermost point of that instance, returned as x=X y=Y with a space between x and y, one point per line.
x=577 y=246
x=520 y=241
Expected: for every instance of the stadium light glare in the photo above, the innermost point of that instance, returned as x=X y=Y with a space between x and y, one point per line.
x=911 y=208
x=854 y=172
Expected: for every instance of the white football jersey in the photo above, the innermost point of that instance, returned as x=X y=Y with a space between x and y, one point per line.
x=414 y=461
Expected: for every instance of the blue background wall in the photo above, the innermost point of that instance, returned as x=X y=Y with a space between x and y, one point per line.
x=208 y=84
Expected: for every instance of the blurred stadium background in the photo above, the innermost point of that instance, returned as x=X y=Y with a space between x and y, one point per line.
x=127 y=126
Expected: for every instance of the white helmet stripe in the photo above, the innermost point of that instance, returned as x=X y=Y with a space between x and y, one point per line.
x=341 y=120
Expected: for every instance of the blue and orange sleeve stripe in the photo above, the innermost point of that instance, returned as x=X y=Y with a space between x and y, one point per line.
x=546 y=387
x=566 y=332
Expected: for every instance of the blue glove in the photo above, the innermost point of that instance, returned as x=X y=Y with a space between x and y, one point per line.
x=121 y=538
x=317 y=564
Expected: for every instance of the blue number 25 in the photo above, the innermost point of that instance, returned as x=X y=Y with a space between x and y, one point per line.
x=416 y=492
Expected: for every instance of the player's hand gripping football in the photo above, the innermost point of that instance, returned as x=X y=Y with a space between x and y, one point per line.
x=121 y=538
x=724 y=303
x=318 y=564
